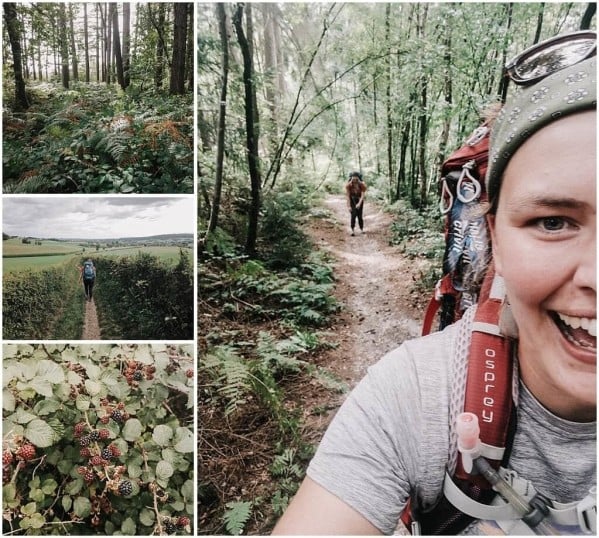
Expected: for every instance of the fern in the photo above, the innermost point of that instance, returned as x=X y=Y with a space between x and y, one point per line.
x=232 y=376
x=236 y=516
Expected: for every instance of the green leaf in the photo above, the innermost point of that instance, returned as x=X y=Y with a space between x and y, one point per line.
x=134 y=470
x=132 y=430
x=147 y=517
x=236 y=516
x=39 y=433
x=29 y=509
x=8 y=401
x=49 y=486
x=187 y=489
x=67 y=503
x=184 y=441
x=36 y=495
x=74 y=487
x=37 y=521
x=92 y=387
x=46 y=406
x=128 y=528
x=164 y=470
x=162 y=434
x=22 y=417
x=41 y=386
x=9 y=492
x=51 y=372
x=82 y=506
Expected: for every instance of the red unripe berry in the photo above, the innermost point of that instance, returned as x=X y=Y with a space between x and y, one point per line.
x=183 y=521
x=26 y=452
x=6 y=458
x=189 y=372
x=104 y=434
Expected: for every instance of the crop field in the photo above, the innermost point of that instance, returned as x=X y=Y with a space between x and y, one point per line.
x=15 y=247
x=165 y=253
x=33 y=263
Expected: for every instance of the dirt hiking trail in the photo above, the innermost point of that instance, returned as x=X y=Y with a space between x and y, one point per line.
x=91 y=327
x=374 y=284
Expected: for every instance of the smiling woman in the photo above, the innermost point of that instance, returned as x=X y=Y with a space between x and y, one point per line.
x=397 y=438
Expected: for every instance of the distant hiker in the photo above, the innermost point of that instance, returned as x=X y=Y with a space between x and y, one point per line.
x=401 y=442
x=355 y=189
x=88 y=276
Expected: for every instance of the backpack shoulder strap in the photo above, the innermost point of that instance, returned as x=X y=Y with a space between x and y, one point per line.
x=488 y=393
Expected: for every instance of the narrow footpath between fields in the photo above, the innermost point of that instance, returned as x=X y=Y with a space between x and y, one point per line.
x=91 y=327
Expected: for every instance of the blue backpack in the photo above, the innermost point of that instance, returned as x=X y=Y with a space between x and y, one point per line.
x=88 y=271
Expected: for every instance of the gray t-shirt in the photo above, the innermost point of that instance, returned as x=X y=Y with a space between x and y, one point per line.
x=390 y=439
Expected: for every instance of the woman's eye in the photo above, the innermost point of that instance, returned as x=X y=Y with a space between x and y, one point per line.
x=552 y=224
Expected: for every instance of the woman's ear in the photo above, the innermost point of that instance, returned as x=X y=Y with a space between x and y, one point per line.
x=496 y=257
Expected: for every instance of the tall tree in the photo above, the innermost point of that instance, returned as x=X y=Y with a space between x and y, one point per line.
x=86 y=41
x=159 y=24
x=73 y=46
x=14 y=35
x=177 y=79
x=251 y=141
x=222 y=111
x=64 y=45
x=127 y=43
x=116 y=45
x=189 y=49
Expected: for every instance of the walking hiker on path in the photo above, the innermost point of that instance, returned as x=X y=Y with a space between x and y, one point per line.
x=355 y=190
x=87 y=274
x=400 y=441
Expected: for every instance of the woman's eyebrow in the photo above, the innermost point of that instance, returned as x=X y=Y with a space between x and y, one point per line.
x=547 y=201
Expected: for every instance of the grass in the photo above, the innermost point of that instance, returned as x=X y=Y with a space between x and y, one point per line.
x=15 y=247
x=30 y=262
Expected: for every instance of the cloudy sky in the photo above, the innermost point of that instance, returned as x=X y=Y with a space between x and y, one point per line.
x=96 y=217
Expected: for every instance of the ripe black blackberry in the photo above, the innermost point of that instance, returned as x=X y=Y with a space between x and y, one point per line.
x=94 y=435
x=125 y=487
x=117 y=416
x=85 y=440
x=138 y=376
x=107 y=453
x=170 y=527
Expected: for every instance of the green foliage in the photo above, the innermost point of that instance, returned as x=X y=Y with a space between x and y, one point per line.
x=89 y=139
x=236 y=516
x=33 y=302
x=134 y=475
x=143 y=297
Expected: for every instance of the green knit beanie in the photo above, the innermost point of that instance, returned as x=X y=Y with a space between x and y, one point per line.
x=564 y=92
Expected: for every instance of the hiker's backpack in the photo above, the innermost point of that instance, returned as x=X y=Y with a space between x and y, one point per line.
x=88 y=271
x=489 y=375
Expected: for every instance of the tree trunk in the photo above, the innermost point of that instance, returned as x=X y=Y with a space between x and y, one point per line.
x=64 y=45
x=189 y=49
x=73 y=46
x=116 y=45
x=86 y=41
x=251 y=142
x=504 y=80
x=109 y=52
x=126 y=43
x=390 y=171
x=589 y=13
x=98 y=43
x=177 y=80
x=10 y=16
x=539 y=23
x=220 y=143
x=160 y=44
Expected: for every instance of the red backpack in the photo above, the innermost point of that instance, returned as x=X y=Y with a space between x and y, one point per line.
x=490 y=367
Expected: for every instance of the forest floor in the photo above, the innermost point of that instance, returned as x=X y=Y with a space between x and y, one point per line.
x=375 y=285
x=91 y=327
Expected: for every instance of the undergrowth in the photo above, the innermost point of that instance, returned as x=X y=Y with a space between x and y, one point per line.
x=93 y=138
x=261 y=329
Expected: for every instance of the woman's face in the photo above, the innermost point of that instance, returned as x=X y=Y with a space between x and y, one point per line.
x=544 y=246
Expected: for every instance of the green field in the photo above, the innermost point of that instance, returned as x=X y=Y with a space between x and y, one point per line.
x=29 y=261
x=15 y=247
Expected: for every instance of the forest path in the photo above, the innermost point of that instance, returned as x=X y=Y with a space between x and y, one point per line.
x=374 y=285
x=91 y=327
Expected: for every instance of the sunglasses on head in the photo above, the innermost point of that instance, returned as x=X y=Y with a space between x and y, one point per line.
x=551 y=55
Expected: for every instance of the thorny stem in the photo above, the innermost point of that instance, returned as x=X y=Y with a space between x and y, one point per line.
x=144 y=455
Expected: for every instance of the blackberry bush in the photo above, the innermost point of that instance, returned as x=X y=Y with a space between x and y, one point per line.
x=88 y=453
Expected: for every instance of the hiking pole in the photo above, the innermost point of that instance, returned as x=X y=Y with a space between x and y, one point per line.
x=532 y=512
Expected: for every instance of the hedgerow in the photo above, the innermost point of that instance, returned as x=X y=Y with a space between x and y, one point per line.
x=145 y=298
x=33 y=301
x=97 y=439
